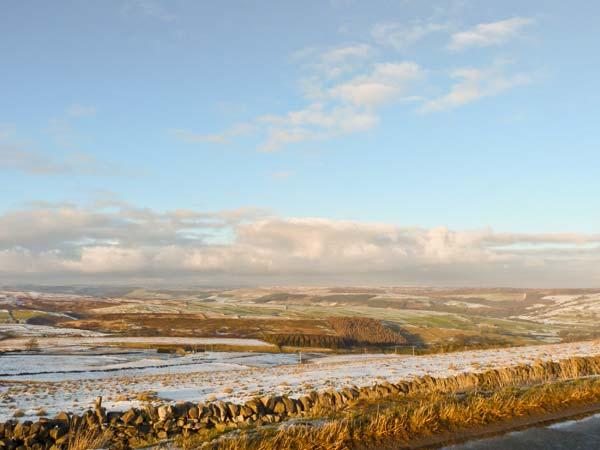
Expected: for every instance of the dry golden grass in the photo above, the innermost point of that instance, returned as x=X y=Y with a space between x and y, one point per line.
x=414 y=419
x=420 y=407
x=194 y=325
x=432 y=406
x=147 y=396
x=89 y=440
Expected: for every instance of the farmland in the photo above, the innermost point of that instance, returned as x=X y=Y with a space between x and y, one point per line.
x=60 y=350
x=425 y=317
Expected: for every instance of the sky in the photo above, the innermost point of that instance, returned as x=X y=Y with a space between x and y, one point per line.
x=316 y=142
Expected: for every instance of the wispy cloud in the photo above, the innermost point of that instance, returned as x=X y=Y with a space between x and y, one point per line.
x=385 y=83
x=344 y=88
x=339 y=100
x=333 y=62
x=21 y=155
x=488 y=34
x=14 y=157
x=401 y=36
x=474 y=84
x=316 y=122
x=342 y=106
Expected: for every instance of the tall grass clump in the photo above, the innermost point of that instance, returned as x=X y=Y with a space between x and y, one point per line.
x=418 y=418
x=89 y=439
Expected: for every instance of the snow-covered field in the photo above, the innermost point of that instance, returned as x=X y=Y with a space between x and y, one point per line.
x=229 y=376
x=26 y=330
x=110 y=363
x=576 y=310
x=94 y=339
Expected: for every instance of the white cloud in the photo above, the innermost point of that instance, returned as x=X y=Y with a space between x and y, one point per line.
x=344 y=88
x=315 y=122
x=334 y=62
x=342 y=93
x=384 y=84
x=342 y=106
x=102 y=259
x=64 y=225
x=401 y=36
x=487 y=34
x=342 y=54
x=124 y=243
x=475 y=84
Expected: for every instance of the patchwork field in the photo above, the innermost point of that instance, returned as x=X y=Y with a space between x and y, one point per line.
x=424 y=317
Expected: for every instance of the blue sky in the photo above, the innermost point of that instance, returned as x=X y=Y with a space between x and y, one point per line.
x=465 y=115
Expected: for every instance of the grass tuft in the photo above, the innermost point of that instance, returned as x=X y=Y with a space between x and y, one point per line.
x=89 y=439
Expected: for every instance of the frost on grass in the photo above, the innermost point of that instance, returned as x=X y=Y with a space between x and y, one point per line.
x=238 y=376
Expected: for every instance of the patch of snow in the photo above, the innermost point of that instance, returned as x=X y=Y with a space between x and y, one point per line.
x=240 y=376
x=90 y=338
x=465 y=304
x=26 y=330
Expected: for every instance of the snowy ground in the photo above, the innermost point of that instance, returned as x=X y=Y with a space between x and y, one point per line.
x=83 y=363
x=26 y=330
x=94 y=339
x=228 y=376
x=566 y=309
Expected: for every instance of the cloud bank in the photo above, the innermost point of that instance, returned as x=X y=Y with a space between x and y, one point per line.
x=117 y=242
